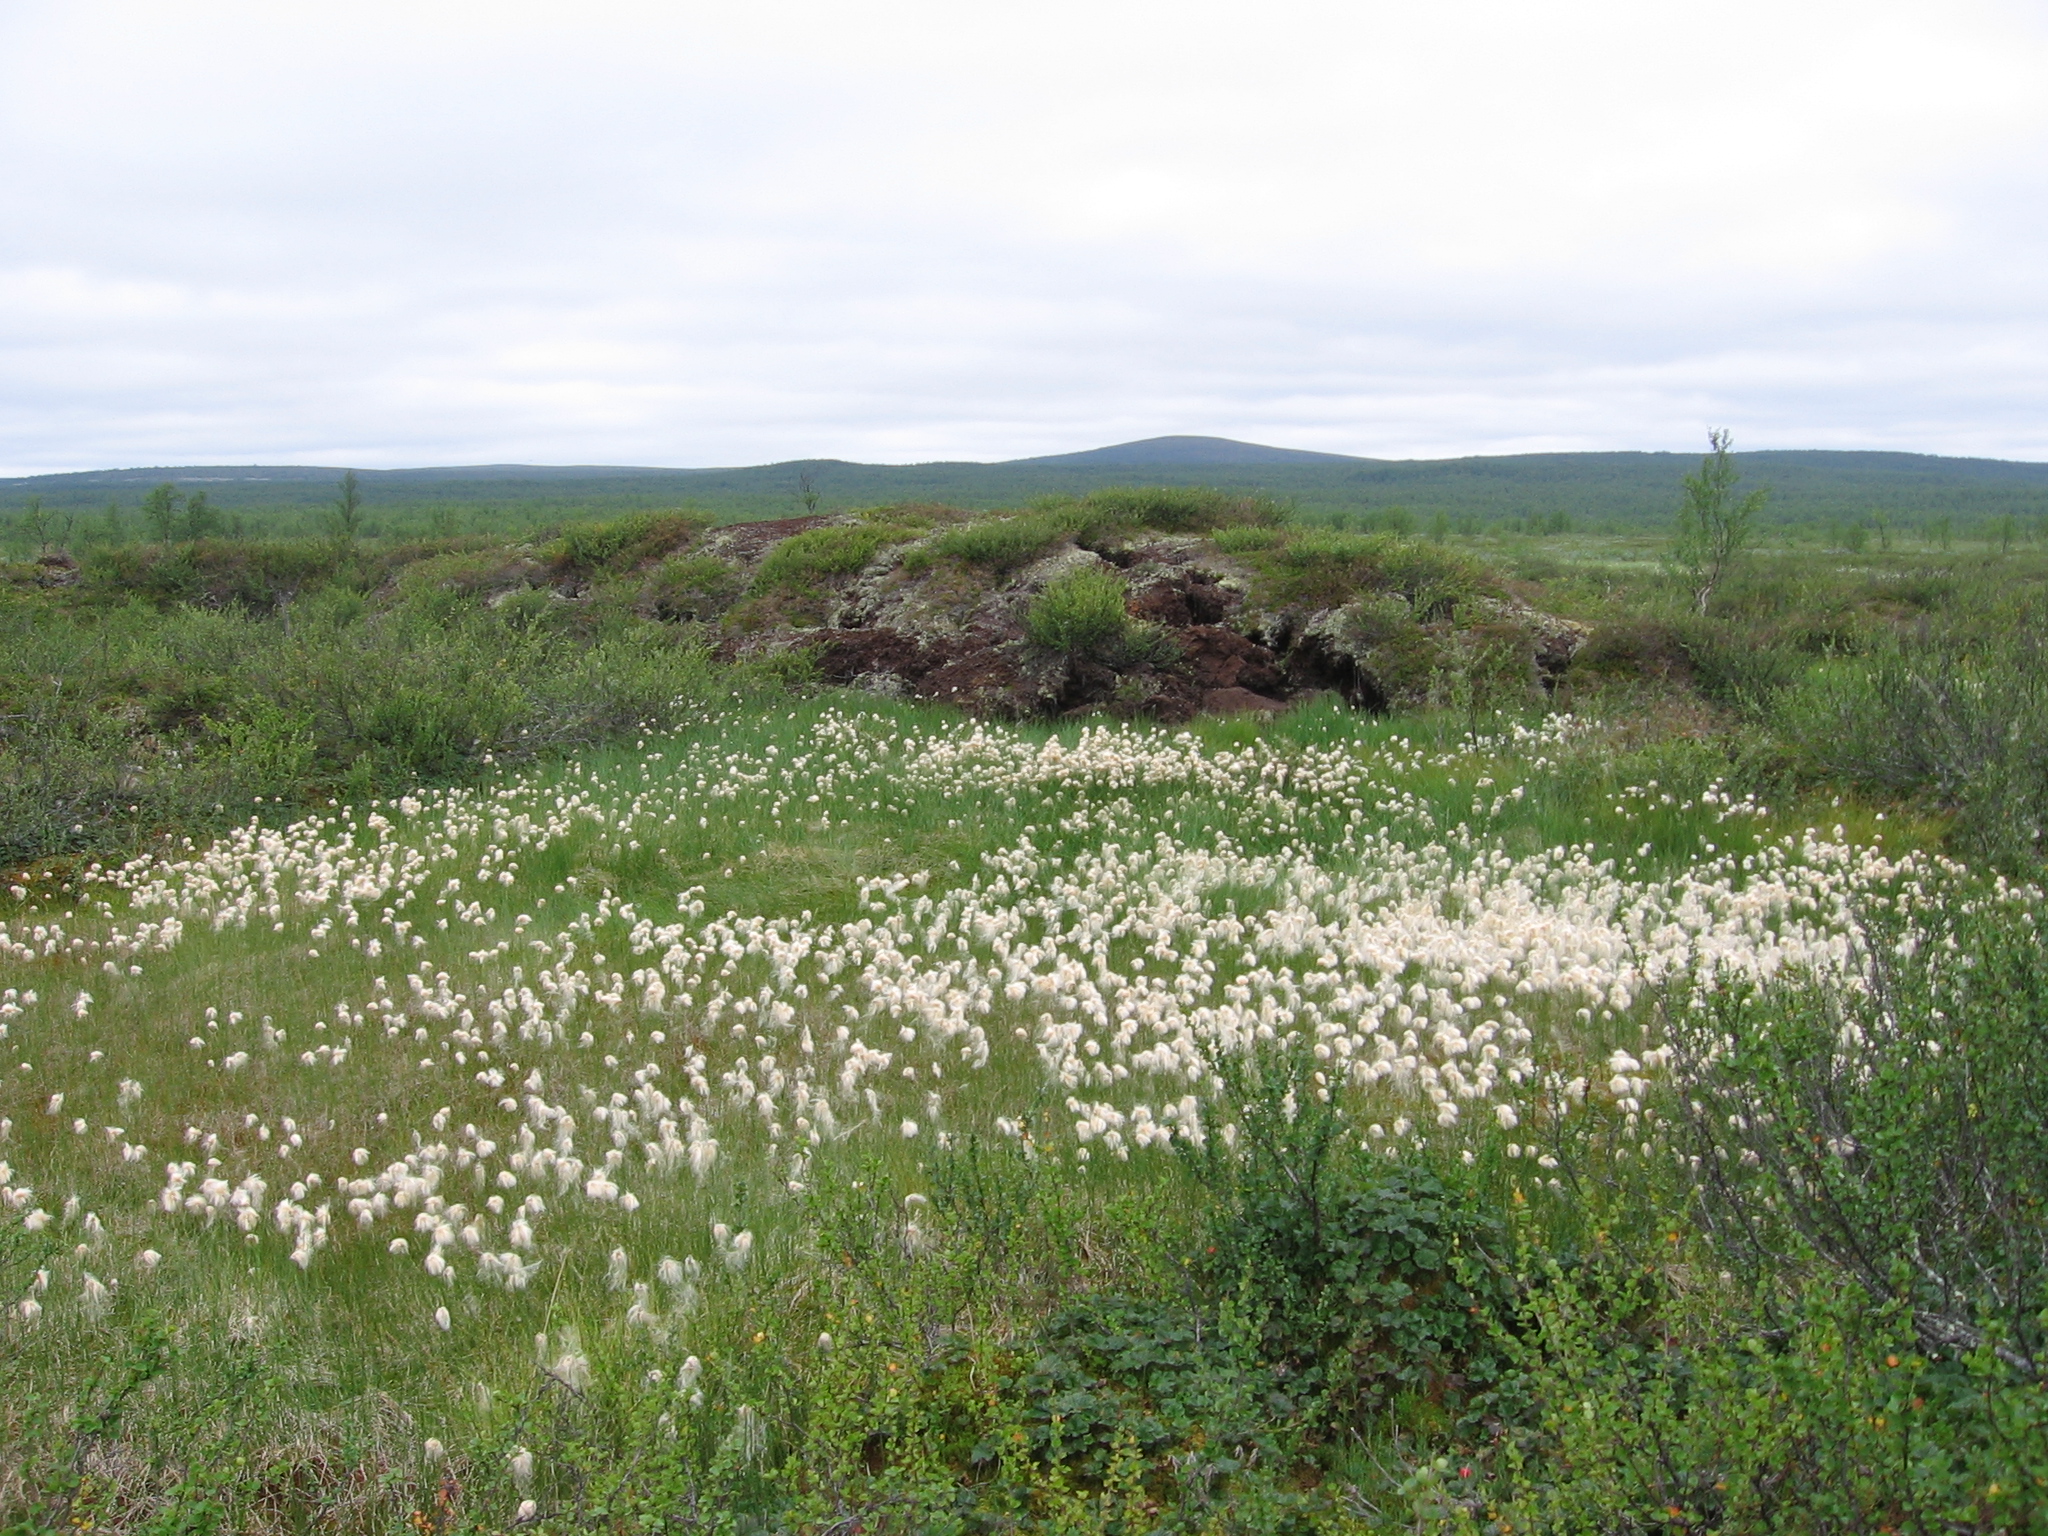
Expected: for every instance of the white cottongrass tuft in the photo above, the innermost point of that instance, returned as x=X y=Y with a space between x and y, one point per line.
x=703 y=1154
x=572 y=1370
x=639 y=1313
x=741 y=1249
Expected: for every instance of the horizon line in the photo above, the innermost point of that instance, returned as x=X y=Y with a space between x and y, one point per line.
x=1046 y=459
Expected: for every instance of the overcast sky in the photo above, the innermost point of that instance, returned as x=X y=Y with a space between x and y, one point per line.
x=433 y=233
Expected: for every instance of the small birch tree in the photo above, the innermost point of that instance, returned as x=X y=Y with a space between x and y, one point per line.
x=1713 y=527
x=35 y=522
x=345 y=518
x=163 y=509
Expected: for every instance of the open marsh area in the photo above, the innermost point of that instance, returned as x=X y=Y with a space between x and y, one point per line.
x=1599 y=1099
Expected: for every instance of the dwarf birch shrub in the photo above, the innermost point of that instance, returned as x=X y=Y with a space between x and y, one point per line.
x=1368 y=1282
x=1081 y=614
x=1654 y=1411
x=126 y=722
x=1318 y=568
x=587 y=548
x=999 y=543
x=1957 y=716
x=841 y=550
x=1891 y=1127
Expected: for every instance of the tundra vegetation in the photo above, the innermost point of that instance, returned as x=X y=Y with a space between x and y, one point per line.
x=1134 y=1013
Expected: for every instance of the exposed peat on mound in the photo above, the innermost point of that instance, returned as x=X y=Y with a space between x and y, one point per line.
x=936 y=604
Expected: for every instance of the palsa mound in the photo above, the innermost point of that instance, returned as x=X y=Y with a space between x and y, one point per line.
x=1155 y=604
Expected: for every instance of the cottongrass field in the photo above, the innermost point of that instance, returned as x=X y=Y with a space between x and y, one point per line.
x=446 y=1104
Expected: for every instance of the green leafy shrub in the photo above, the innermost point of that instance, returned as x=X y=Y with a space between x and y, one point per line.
x=1180 y=509
x=461 y=572
x=1892 y=1129
x=1745 y=671
x=1111 y=1374
x=255 y=576
x=1322 y=570
x=820 y=554
x=1005 y=543
x=1485 y=669
x=999 y=543
x=1080 y=613
x=623 y=543
x=120 y=722
x=691 y=589
x=1743 y=667
x=1247 y=538
x=1954 y=715
x=1374 y=646
x=1633 y=650
x=1371 y=1280
x=1652 y=1412
x=1923 y=591
x=919 y=516
x=157 y=573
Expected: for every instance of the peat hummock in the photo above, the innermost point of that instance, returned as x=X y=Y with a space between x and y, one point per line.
x=1226 y=608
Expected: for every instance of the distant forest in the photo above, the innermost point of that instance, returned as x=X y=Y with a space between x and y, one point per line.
x=1843 y=497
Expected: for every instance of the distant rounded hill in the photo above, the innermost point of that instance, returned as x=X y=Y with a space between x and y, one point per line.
x=1188 y=451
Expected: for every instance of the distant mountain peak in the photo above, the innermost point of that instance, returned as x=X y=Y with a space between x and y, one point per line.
x=1186 y=450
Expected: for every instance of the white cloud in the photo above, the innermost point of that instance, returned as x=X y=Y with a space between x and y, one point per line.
x=389 y=234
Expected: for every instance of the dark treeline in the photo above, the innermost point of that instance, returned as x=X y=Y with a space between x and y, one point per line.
x=1843 y=500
